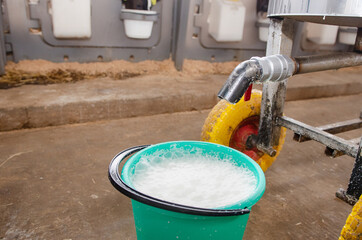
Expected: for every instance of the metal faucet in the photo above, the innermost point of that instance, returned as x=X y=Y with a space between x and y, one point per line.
x=256 y=70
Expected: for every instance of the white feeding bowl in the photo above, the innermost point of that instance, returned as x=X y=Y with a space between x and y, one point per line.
x=263 y=25
x=138 y=23
x=347 y=35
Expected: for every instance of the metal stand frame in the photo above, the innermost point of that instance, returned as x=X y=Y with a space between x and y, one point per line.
x=2 y=45
x=280 y=41
x=354 y=189
x=271 y=119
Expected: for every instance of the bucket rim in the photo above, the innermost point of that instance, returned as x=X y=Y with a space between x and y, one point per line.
x=123 y=187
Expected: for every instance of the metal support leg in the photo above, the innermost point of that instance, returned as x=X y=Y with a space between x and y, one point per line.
x=358 y=43
x=2 y=45
x=180 y=36
x=280 y=41
x=354 y=189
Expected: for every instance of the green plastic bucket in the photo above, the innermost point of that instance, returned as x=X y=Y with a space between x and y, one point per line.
x=159 y=219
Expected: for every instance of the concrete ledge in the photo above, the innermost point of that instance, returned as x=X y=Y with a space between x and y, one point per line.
x=324 y=84
x=103 y=99
x=328 y=90
x=34 y=106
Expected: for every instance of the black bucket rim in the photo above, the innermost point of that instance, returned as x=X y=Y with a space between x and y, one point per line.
x=121 y=186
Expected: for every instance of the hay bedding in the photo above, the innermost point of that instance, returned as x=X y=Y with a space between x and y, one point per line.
x=45 y=72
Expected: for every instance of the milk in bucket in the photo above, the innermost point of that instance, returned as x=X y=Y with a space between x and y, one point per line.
x=193 y=179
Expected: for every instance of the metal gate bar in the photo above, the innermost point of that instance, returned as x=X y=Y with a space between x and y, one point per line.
x=335 y=153
x=318 y=135
x=334 y=128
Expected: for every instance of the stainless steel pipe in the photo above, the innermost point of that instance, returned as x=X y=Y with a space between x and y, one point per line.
x=317 y=63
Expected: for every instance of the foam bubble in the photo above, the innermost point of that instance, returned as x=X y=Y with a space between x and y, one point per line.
x=193 y=179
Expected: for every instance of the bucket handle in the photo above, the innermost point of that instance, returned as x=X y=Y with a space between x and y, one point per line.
x=120 y=185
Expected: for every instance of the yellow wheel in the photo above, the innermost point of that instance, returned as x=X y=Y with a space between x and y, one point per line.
x=352 y=230
x=231 y=125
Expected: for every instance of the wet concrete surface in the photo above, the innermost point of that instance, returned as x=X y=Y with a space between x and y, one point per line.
x=54 y=185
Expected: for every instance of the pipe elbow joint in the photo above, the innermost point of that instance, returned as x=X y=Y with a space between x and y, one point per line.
x=239 y=80
x=270 y=68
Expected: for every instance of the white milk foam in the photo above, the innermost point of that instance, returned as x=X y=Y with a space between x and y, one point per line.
x=193 y=179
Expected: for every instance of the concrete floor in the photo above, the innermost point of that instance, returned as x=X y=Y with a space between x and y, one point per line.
x=54 y=185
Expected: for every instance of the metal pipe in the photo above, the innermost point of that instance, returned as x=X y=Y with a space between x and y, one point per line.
x=316 y=63
x=279 y=67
